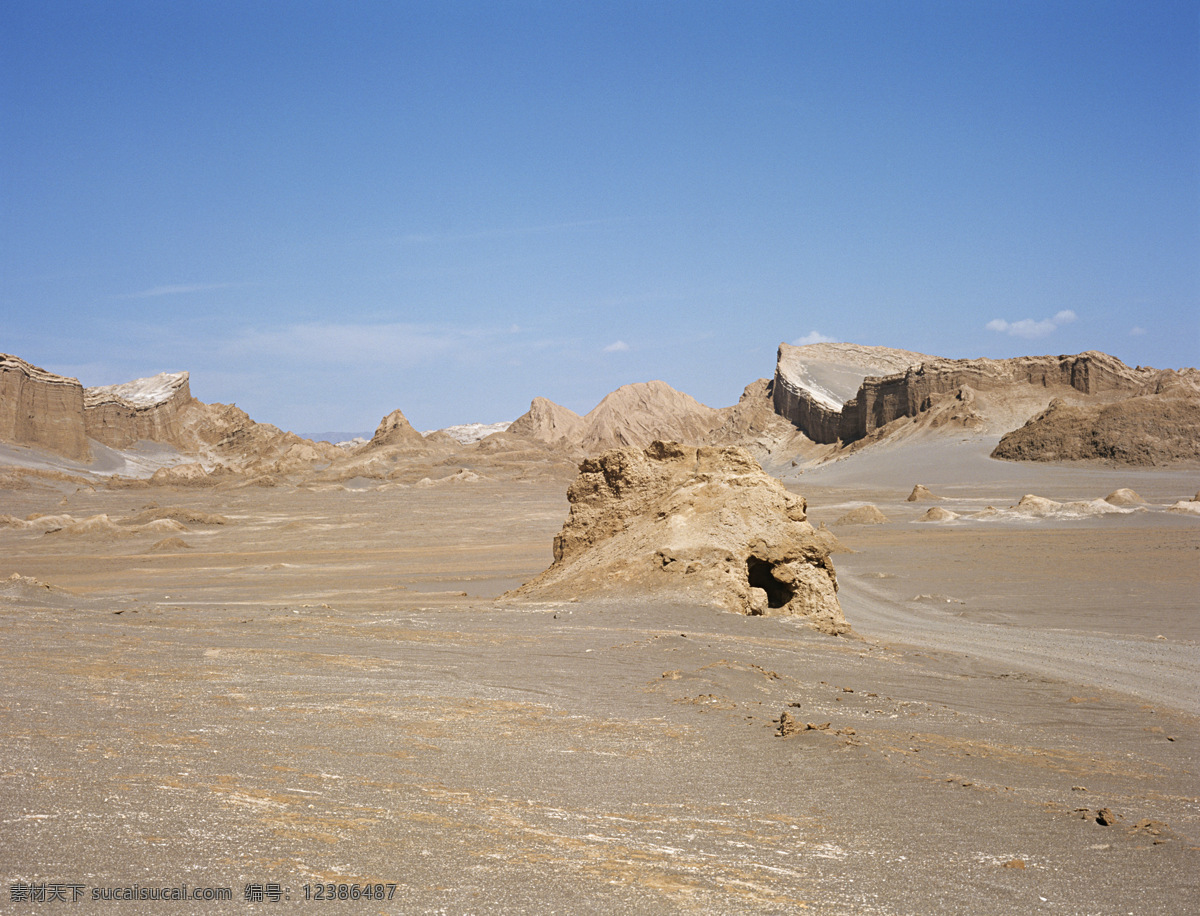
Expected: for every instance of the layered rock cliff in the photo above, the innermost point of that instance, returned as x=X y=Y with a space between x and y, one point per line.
x=880 y=401
x=41 y=410
x=150 y=408
x=813 y=382
x=51 y=412
x=930 y=382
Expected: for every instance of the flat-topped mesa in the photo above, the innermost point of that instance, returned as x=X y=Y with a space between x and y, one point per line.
x=806 y=380
x=41 y=410
x=906 y=394
x=153 y=408
x=813 y=383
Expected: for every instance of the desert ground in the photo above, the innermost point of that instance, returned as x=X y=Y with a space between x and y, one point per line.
x=301 y=686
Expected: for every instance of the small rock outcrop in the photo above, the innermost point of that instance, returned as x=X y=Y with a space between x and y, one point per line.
x=920 y=492
x=697 y=524
x=1124 y=497
x=863 y=515
x=938 y=514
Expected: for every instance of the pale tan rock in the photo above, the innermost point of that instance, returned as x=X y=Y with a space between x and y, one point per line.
x=170 y=545
x=862 y=515
x=1124 y=497
x=638 y=414
x=1159 y=426
x=698 y=524
x=548 y=422
x=179 y=473
x=920 y=492
x=938 y=514
x=394 y=429
x=753 y=424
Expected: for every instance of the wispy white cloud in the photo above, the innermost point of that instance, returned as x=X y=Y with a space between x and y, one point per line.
x=176 y=290
x=617 y=346
x=1030 y=329
x=812 y=337
x=1136 y=331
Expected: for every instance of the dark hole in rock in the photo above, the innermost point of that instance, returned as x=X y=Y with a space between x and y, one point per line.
x=761 y=576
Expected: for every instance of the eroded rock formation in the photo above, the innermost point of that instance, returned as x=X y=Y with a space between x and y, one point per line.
x=699 y=524
x=395 y=430
x=1156 y=428
x=51 y=412
x=151 y=408
x=41 y=410
x=812 y=388
x=633 y=415
x=813 y=382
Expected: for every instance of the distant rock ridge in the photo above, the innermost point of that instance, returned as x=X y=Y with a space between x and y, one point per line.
x=633 y=415
x=57 y=414
x=41 y=410
x=881 y=399
x=1157 y=426
x=468 y=433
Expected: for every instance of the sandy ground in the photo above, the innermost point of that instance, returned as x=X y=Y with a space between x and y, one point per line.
x=323 y=689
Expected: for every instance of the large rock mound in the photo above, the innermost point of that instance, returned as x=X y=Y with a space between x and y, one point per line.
x=1158 y=428
x=633 y=415
x=699 y=524
x=548 y=422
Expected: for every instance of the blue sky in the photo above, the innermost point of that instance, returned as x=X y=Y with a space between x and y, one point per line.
x=325 y=211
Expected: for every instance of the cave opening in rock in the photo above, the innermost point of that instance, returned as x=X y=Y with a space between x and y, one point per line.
x=761 y=575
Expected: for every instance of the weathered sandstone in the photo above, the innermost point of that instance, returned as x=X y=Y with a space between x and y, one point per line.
x=154 y=409
x=697 y=524
x=41 y=410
